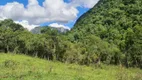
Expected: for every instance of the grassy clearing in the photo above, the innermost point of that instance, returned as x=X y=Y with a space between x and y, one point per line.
x=21 y=67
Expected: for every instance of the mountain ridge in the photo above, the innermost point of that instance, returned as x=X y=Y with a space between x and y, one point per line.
x=37 y=30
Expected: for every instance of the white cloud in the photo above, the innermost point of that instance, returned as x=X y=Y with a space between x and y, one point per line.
x=12 y=10
x=56 y=25
x=50 y=11
x=26 y=25
x=1 y=19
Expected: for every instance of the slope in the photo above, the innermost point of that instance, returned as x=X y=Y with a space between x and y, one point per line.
x=21 y=67
x=118 y=22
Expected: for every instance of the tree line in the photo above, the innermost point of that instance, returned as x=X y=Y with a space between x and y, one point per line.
x=69 y=47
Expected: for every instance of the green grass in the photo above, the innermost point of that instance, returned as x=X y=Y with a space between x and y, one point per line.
x=21 y=67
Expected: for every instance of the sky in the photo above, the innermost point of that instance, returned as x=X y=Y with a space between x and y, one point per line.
x=33 y=13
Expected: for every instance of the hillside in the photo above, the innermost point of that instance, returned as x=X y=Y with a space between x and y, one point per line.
x=21 y=67
x=108 y=34
x=121 y=13
x=117 y=23
x=104 y=44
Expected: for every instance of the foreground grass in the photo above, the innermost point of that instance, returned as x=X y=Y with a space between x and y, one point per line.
x=21 y=67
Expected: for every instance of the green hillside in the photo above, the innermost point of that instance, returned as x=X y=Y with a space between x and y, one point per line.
x=21 y=67
x=121 y=14
x=104 y=44
x=112 y=28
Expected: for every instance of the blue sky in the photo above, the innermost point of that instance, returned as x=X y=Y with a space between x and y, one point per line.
x=63 y=12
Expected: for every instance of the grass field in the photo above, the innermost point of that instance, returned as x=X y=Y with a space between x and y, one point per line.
x=21 y=67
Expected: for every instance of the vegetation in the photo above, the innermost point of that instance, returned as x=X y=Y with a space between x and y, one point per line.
x=21 y=67
x=110 y=33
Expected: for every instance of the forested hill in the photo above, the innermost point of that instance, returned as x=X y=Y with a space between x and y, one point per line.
x=109 y=33
x=118 y=23
x=110 y=13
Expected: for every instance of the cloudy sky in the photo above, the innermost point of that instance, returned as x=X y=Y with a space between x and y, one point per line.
x=31 y=13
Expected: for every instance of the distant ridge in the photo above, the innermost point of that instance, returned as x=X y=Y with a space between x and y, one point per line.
x=37 y=30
